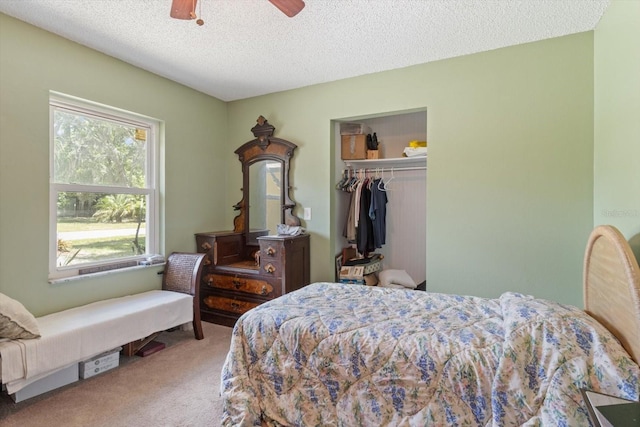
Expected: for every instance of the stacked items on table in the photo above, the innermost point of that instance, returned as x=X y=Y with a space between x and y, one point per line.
x=361 y=271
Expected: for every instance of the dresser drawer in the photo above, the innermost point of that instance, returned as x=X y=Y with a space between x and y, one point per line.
x=270 y=250
x=271 y=255
x=236 y=306
x=221 y=249
x=232 y=283
x=271 y=268
x=240 y=284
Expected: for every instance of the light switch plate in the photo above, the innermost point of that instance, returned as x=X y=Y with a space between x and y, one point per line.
x=307 y=213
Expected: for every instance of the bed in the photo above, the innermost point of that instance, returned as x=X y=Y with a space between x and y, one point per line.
x=346 y=355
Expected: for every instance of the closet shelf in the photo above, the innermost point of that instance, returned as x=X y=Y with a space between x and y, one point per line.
x=387 y=163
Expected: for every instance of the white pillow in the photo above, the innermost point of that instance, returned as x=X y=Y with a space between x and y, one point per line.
x=16 y=322
x=393 y=286
x=396 y=277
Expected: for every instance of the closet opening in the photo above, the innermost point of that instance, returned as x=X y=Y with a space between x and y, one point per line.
x=398 y=170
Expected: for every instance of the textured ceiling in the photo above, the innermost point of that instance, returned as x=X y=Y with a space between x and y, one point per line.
x=248 y=47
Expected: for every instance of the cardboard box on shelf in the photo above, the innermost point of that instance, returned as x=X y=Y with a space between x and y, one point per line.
x=354 y=147
x=354 y=128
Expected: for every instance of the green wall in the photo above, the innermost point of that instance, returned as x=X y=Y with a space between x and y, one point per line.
x=511 y=193
x=617 y=120
x=33 y=62
x=509 y=180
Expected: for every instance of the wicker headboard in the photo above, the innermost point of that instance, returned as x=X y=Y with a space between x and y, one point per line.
x=612 y=286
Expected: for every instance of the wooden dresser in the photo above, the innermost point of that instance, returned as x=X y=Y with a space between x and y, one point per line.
x=234 y=280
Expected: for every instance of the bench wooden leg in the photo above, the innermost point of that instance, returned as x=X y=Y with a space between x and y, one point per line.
x=197 y=327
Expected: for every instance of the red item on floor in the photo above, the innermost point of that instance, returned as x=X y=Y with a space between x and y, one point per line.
x=150 y=348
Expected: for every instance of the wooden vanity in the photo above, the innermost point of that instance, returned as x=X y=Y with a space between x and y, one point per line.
x=252 y=264
x=232 y=281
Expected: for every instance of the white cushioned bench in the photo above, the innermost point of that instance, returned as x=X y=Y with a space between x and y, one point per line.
x=79 y=333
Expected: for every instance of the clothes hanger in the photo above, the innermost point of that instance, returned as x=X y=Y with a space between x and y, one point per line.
x=345 y=176
x=368 y=179
x=360 y=180
x=384 y=185
x=377 y=175
x=353 y=184
x=349 y=183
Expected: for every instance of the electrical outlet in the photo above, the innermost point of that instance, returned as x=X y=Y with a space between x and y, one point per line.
x=307 y=214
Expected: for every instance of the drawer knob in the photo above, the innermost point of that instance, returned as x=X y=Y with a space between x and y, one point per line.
x=235 y=306
x=264 y=290
x=237 y=283
x=271 y=251
x=269 y=268
x=206 y=246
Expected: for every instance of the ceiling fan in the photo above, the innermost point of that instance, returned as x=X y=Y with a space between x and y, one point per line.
x=186 y=9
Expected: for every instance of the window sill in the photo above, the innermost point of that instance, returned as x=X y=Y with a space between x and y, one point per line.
x=102 y=273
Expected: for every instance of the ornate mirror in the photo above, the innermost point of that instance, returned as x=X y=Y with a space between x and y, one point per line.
x=265 y=184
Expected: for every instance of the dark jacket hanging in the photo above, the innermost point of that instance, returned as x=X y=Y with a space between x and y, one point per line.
x=365 y=225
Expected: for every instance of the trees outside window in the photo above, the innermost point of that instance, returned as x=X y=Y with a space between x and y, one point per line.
x=103 y=187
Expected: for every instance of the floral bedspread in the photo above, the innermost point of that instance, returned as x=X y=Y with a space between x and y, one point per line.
x=349 y=355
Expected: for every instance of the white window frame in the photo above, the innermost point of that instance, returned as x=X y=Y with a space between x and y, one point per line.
x=151 y=190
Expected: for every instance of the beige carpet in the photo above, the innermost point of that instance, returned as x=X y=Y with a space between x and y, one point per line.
x=177 y=386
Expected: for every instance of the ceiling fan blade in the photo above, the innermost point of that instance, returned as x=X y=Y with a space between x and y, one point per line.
x=288 y=7
x=183 y=9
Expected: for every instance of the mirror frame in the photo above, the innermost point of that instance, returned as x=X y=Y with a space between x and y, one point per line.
x=265 y=147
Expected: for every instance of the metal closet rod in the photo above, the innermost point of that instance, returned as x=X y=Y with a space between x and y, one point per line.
x=389 y=169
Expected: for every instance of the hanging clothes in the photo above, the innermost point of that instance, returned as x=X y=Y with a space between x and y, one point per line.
x=366 y=215
x=378 y=212
x=350 y=184
x=350 y=225
x=358 y=197
x=364 y=230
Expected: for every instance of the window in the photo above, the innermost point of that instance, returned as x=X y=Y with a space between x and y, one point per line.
x=103 y=188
